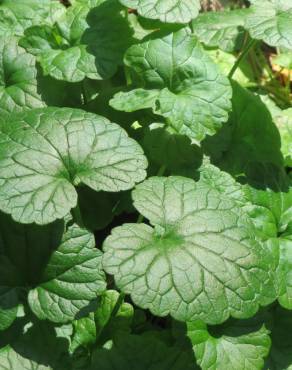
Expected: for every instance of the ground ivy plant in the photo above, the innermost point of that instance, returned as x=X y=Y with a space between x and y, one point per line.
x=145 y=185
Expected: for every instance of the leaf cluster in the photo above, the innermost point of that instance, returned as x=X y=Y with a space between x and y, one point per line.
x=145 y=186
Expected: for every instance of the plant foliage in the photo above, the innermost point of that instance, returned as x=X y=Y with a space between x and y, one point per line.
x=145 y=185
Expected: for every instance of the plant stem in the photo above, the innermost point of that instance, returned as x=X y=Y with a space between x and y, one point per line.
x=159 y=173
x=83 y=92
x=191 y=26
x=76 y=213
x=241 y=57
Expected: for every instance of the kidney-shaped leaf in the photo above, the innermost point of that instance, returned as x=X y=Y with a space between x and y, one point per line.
x=180 y=82
x=169 y=11
x=271 y=21
x=242 y=345
x=201 y=259
x=72 y=278
x=44 y=153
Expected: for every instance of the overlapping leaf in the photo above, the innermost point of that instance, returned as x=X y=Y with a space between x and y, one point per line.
x=46 y=152
x=16 y=16
x=36 y=348
x=62 y=271
x=141 y=352
x=71 y=279
x=179 y=81
x=85 y=42
x=18 y=78
x=272 y=190
x=169 y=11
x=242 y=345
x=241 y=142
x=271 y=21
x=221 y=29
x=200 y=261
x=280 y=357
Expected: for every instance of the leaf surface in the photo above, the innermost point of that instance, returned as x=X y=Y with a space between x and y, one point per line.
x=178 y=80
x=16 y=16
x=271 y=21
x=71 y=279
x=240 y=143
x=221 y=29
x=35 y=349
x=141 y=352
x=200 y=261
x=18 y=78
x=169 y=11
x=85 y=42
x=45 y=152
x=242 y=347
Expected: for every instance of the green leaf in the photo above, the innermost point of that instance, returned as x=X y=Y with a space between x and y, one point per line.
x=71 y=280
x=18 y=78
x=200 y=261
x=36 y=349
x=45 y=152
x=8 y=306
x=84 y=333
x=112 y=316
x=284 y=60
x=21 y=261
x=175 y=152
x=283 y=120
x=16 y=16
x=221 y=29
x=244 y=74
x=281 y=352
x=141 y=352
x=239 y=345
x=285 y=271
x=97 y=208
x=169 y=11
x=271 y=21
x=240 y=142
x=179 y=81
x=84 y=43
x=271 y=189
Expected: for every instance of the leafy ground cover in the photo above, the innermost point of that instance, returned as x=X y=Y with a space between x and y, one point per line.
x=145 y=185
